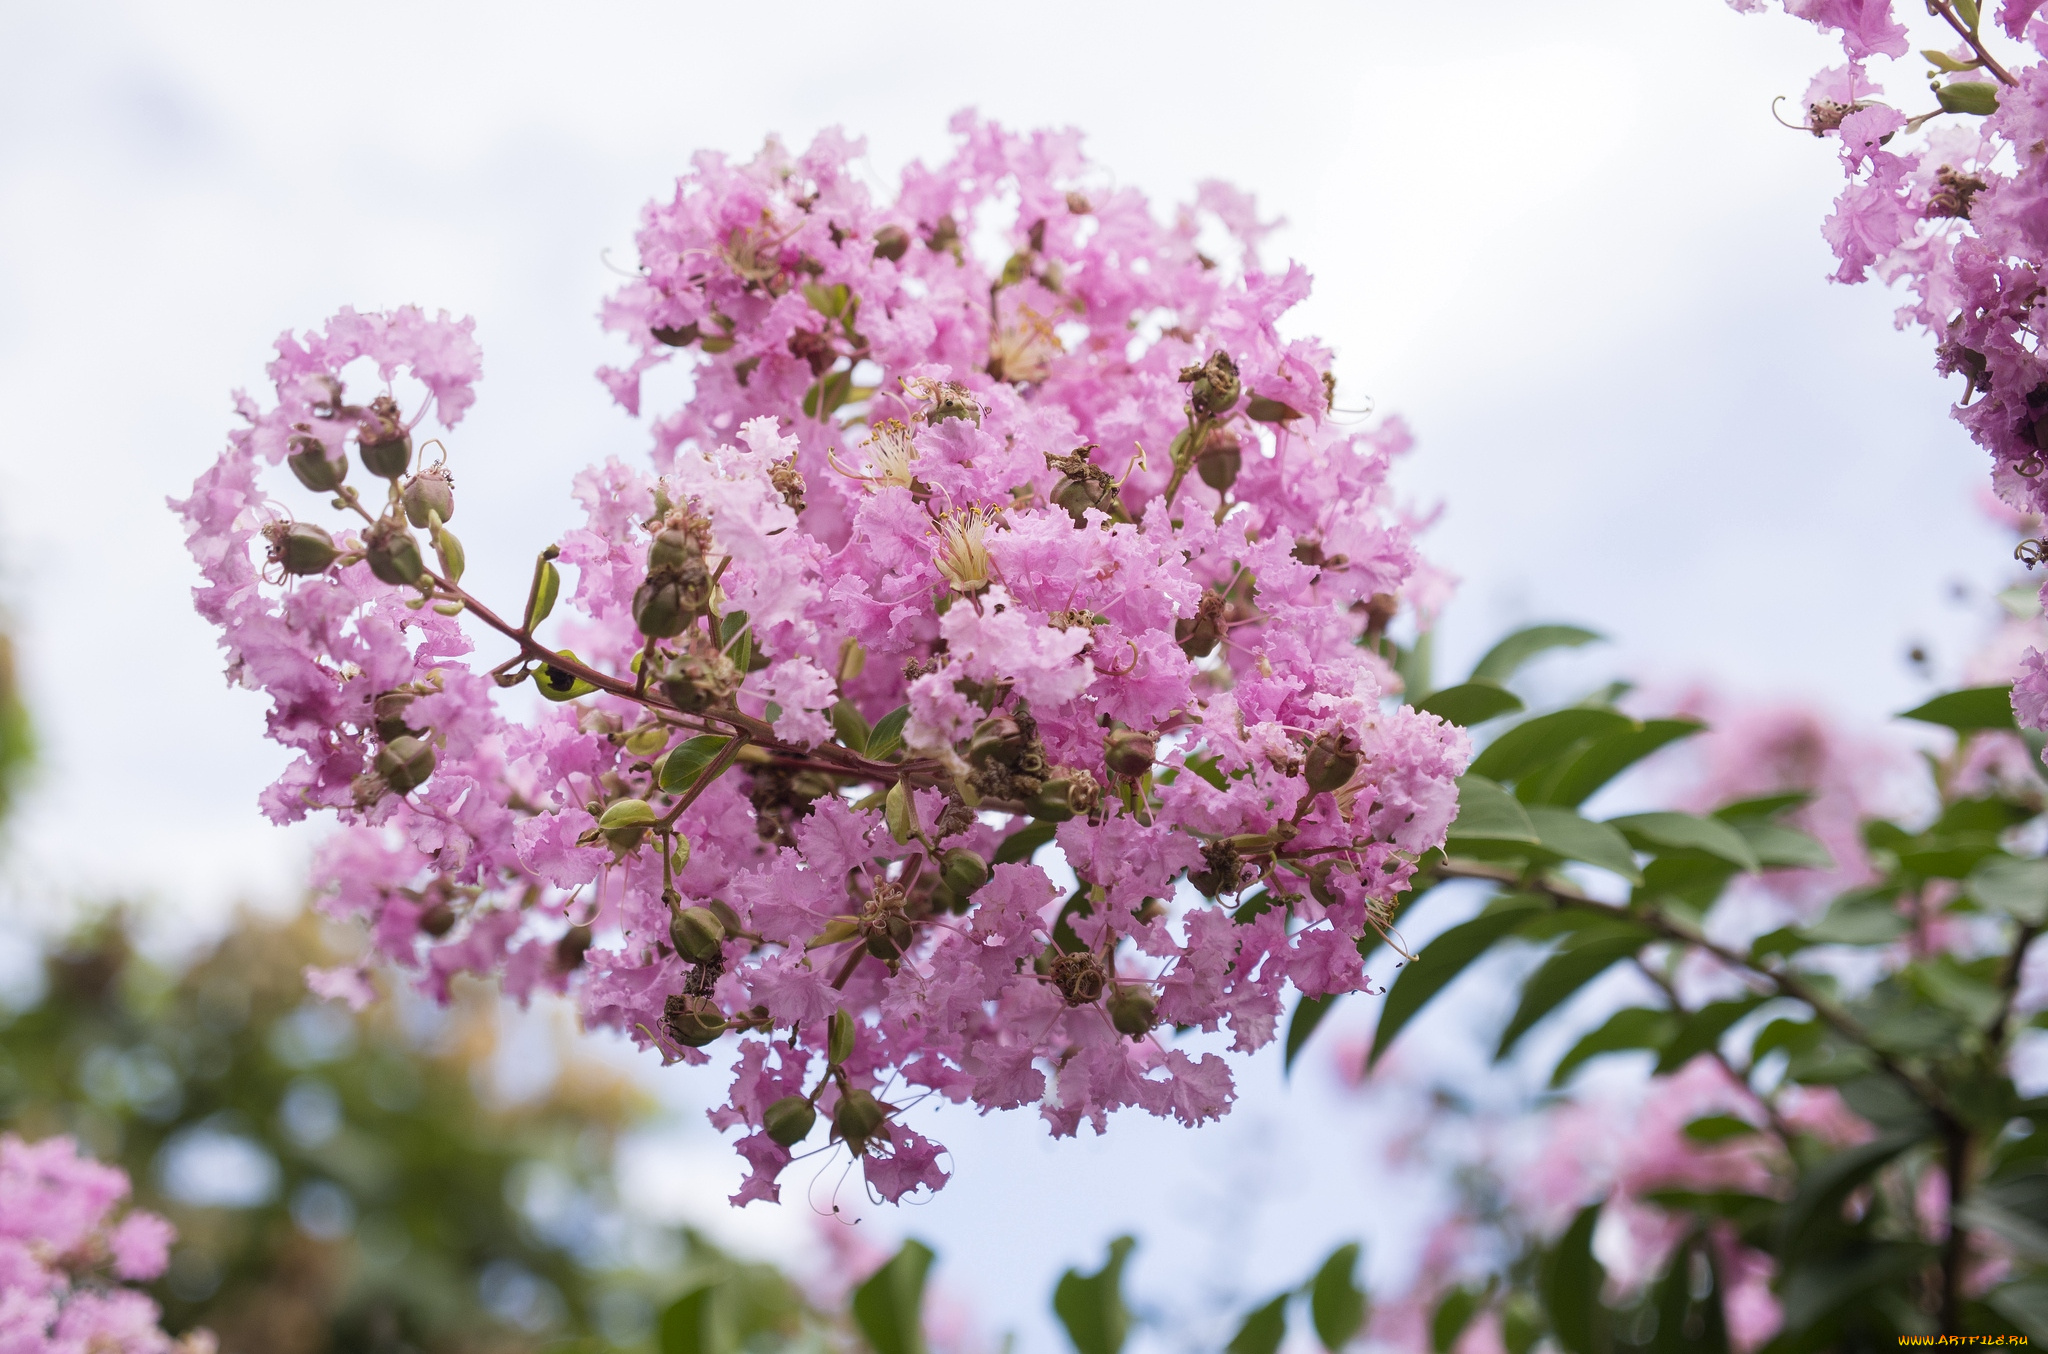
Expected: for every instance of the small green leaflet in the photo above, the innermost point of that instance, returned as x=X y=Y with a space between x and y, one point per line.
x=1308 y=1013
x=687 y=760
x=1627 y=1030
x=888 y=734
x=1506 y=658
x=850 y=728
x=1263 y=1329
x=1021 y=845
x=1718 y=1128
x=690 y=1325
x=1470 y=703
x=1535 y=742
x=1702 y=1031
x=1486 y=812
x=2018 y=888
x=1444 y=959
x=1336 y=1303
x=1573 y=780
x=889 y=1308
x=1688 y=832
x=1569 y=1281
x=1565 y=834
x=1091 y=1306
x=1978 y=707
x=1578 y=961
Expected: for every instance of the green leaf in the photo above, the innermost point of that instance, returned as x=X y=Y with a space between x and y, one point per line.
x=1565 y=834
x=1944 y=62
x=1634 y=1027
x=889 y=1307
x=1413 y=663
x=1778 y=847
x=1569 y=1281
x=1506 y=658
x=2018 y=888
x=1207 y=769
x=1967 y=10
x=1764 y=806
x=1091 y=1306
x=559 y=684
x=686 y=761
x=547 y=586
x=1336 y=1303
x=2028 y=1238
x=1816 y=1287
x=1263 y=1329
x=850 y=727
x=1486 y=812
x=1859 y=918
x=1308 y=1013
x=1444 y=959
x=1577 y=778
x=1581 y=959
x=691 y=1325
x=1534 y=742
x=1470 y=703
x=1688 y=832
x=1978 y=97
x=1978 y=707
x=1021 y=845
x=1701 y=1031
x=2024 y=1302
x=1452 y=1315
x=1696 y=1323
x=1823 y=1188
x=888 y=734
x=1718 y=1128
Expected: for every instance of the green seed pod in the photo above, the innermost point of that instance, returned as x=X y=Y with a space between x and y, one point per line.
x=383 y=440
x=859 y=1118
x=658 y=610
x=889 y=938
x=1068 y=794
x=692 y=1021
x=1331 y=762
x=839 y=1032
x=697 y=934
x=1219 y=460
x=393 y=554
x=899 y=812
x=388 y=714
x=1131 y=1011
x=300 y=548
x=672 y=548
x=892 y=243
x=963 y=871
x=1213 y=387
x=405 y=763
x=1078 y=493
x=789 y=1120
x=993 y=739
x=1130 y=753
x=432 y=490
x=314 y=468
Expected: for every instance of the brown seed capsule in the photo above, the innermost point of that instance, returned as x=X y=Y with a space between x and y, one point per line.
x=1131 y=1011
x=300 y=548
x=570 y=949
x=692 y=1021
x=859 y=1119
x=1219 y=460
x=438 y=920
x=393 y=555
x=1129 y=752
x=432 y=490
x=892 y=243
x=1198 y=637
x=789 y=1120
x=1331 y=762
x=382 y=439
x=405 y=763
x=697 y=934
x=1079 y=978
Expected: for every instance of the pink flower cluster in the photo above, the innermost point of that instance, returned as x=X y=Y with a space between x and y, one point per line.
x=995 y=508
x=1951 y=198
x=62 y=1253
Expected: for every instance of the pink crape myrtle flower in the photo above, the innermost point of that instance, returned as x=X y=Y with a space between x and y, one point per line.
x=945 y=552
x=64 y=1256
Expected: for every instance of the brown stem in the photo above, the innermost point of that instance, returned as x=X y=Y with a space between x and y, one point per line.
x=860 y=952
x=724 y=759
x=2009 y=986
x=1947 y=11
x=1779 y=1128
x=1955 y=1250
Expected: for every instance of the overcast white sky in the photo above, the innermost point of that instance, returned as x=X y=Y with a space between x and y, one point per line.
x=1566 y=241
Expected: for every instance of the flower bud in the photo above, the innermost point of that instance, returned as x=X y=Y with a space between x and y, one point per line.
x=388 y=714
x=697 y=934
x=888 y=937
x=393 y=555
x=658 y=610
x=432 y=490
x=789 y=1120
x=993 y=739
x=382 y=439
x=892 y=243
x=859 y=1118
x=405 y=763
x=1130 y=753
x=1213 y=387
x=1331 y=762
x=672 y=549
x=692 y=1021
x=1219 y=460
x=625 y=822
x=313 y=467
x=1131 y=1011
x=963 y=871
x=300 y=548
